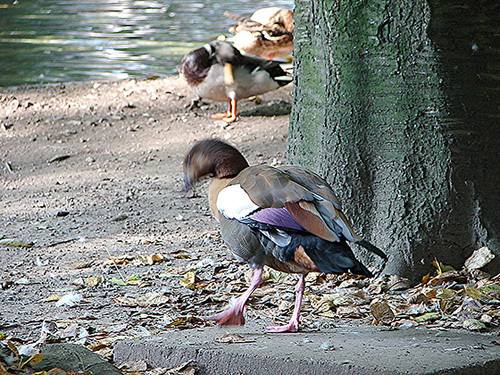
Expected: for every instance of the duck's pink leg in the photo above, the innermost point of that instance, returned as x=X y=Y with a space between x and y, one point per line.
x=234 y=315
x=293 y=325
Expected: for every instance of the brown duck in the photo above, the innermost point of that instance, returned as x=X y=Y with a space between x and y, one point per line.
x=268 y=33
x=218 y=71
x=286 y=218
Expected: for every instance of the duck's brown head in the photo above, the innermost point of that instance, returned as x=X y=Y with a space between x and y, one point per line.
x=195 y=65
x=212 y=157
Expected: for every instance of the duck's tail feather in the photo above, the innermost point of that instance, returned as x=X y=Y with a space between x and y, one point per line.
x=372 y=248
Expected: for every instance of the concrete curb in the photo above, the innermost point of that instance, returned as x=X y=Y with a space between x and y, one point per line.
x=346 y=350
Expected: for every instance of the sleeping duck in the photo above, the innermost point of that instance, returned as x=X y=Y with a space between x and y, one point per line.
x=218 y=71
x=268 y=33
x=286 y=218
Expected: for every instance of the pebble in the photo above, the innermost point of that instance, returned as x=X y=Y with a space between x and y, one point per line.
x=120 y=217
x=327 y=346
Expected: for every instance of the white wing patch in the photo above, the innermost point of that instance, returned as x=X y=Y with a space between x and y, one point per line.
x=234 y=203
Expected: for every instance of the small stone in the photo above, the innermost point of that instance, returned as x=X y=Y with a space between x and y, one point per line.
x=327 y=346
x=120 y=217
x=486 y=319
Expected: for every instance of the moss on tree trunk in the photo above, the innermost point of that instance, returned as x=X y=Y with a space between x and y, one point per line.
x=381 y=110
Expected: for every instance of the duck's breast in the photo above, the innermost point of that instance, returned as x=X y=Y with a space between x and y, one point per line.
x=213 y=87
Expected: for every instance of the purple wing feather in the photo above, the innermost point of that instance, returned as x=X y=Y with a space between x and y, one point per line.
x=279 y=217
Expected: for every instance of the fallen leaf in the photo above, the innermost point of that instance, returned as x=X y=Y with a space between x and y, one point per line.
x=328 y=301
x=352 y=283
x=151 y=259
x=493 y=290
x=347 y=312
x=418 y=298
x=130 y=280
x=357 y=298
x=12 y=242
x=445 y=293
x=413 y=309
x=69 y=299
x=269 y=275
x=151 y=299
x=398 y=283
x=444 y=277
x=12 y=347
x=473 y=325
x=81 y=264
x=35 y=359
x=51 y=298
x=58 y=158
x=479 y=258
x=441 y=268
x=134 y=366
x=381 y=311
x=122 y=259
x=188 y=321
x=187 y=368
x=94 y=280
x=189 y=279
x=477 y=294
x=3 y=371
x=427 y=317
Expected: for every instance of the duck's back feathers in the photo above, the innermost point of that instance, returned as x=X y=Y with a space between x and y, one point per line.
x=268 y=33
x=297 y=217
x=307 y=197
x=225 y=52
x=287 y=250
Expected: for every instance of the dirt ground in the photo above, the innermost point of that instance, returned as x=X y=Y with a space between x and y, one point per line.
x=92 y=210
x=94 y=170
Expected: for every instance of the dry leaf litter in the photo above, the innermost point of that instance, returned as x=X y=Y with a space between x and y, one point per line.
x=176 y=290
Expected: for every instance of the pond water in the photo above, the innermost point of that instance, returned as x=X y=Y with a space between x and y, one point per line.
x=46 y=41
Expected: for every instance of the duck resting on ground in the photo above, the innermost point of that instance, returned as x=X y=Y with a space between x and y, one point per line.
x=286 y=218
x=218 y=71
x=268 y=33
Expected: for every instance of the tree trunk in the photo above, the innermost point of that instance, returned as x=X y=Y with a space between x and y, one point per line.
x=387 y=108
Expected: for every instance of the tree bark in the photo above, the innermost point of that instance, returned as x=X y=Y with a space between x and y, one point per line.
x=386 y=108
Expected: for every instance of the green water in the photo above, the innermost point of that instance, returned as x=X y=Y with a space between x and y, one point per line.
x=46 y=41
